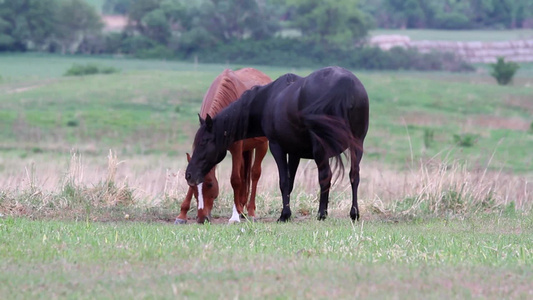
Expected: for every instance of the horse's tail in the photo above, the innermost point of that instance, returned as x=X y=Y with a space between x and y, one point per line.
x=333 y=134
x=329 y=121
x=247 y=176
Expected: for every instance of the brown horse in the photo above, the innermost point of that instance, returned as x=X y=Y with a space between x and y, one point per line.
x=225 y=89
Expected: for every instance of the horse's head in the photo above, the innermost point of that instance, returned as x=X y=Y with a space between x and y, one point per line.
x=210 y=149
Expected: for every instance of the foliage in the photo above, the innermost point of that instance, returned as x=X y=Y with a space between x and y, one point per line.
x=116 y=7
x=46 y=24
x=328 y=23
x=77 y=20
x=503 y=71
x=450 y=14
x=290 y=52
x=465 y=139
x=89 y=69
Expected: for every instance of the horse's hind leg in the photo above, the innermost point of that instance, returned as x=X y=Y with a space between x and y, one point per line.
x=355 y=158
x=324 y=179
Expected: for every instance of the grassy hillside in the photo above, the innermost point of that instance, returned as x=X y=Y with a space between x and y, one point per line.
x=152 y=105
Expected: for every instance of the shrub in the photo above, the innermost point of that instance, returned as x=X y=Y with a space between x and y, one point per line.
x=465 y=139
x=89 y=69
x=503 y=71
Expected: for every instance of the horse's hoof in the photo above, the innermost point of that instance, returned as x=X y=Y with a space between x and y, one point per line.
x=234 y=220
x=205 y=220
x=354 y=214
x=321 y=217
x=284 y=218
x=180 y=221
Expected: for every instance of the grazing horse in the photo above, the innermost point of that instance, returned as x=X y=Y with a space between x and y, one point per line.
x=314 y=117
x=225 y=89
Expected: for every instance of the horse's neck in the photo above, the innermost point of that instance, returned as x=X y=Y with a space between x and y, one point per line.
x=242 y=119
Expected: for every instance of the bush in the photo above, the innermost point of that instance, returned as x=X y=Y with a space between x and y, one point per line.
x=89 y=69
x=503 y=71
x=465 y=139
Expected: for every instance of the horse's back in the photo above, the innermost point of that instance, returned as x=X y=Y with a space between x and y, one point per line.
x=228 y=87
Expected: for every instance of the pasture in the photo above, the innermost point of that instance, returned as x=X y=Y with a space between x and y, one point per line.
x=91 y=178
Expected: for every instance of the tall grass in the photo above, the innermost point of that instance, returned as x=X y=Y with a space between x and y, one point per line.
x=428 y=188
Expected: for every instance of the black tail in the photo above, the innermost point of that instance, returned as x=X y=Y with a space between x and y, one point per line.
x=329 y=123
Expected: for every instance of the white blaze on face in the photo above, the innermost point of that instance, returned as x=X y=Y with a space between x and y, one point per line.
x=200 y=197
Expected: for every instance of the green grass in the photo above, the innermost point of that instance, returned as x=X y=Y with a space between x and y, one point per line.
x=311 y=259
x=458 y=35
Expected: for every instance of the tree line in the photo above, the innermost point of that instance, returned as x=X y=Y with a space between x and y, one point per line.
x=293 y=32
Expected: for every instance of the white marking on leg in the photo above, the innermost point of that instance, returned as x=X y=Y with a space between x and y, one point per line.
x=235 y=218
x=200 y=197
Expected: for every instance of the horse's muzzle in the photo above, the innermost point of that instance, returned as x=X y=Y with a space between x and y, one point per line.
x=192 y=181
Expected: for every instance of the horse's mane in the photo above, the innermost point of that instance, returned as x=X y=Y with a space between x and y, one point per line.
x=223 y=91
x=228 y=87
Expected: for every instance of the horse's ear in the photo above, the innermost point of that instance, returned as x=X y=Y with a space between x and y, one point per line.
x=202 y=121
x=209 y=122
x=188 y=157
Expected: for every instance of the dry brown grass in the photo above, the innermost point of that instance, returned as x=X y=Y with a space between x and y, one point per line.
x=432 y=187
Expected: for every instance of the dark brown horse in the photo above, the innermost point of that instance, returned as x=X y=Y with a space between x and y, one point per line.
x=247 y=154
x=315 y=117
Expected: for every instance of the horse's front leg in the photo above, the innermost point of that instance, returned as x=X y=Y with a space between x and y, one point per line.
x=286 y=178
x=236 y=181
x=185 y=206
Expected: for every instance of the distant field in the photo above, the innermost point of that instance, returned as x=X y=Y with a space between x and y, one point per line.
x=459 y=35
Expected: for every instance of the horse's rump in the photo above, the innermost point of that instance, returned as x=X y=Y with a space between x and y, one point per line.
x=333 y=118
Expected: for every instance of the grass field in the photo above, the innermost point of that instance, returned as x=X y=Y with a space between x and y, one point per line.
x=91 y=175
x=489 y=257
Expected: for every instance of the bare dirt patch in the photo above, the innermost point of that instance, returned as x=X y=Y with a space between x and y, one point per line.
x=523 y=102
x=422 y=119
x=496 y=122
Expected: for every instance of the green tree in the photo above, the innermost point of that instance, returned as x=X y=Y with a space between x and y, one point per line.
x=329 y=23
x=157 y=20
x=231 y=20
x=76 y=21
x=120 y=7
x=26 y=24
